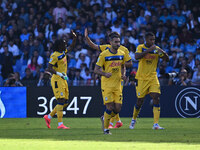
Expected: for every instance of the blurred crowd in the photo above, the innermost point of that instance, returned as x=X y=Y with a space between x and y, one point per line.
x=28 y=29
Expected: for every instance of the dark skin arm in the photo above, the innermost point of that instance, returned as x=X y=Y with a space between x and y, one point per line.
x=50 y=69
x=90 y=43
x=153 y=47
x=141 y=55
x=165 y=55
x=99 y=71
x=71 y=47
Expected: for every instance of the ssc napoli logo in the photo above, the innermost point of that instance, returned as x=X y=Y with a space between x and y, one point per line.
x=2 y=107
x=187 y=103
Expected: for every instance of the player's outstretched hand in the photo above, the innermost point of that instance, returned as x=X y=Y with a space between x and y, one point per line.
x=124 y=77
x=73 y=34
x=86 y=32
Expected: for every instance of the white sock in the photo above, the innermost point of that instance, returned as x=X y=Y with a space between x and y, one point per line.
x=49 y=116
x=111 y=123
x=59 y=123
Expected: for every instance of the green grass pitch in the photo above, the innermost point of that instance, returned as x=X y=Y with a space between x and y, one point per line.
x=86 y=134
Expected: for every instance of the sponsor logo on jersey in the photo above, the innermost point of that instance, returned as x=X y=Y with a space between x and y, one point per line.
x=149 y=56
x=115 y=64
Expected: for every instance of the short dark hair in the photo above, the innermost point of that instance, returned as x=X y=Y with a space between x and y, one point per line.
x=149 y=34
x=114 y=35
x=59 y=45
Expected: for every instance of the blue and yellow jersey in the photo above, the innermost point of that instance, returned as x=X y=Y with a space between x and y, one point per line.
x=111 y=63
x=148 y=64
x=108 y=46
x=59 y=62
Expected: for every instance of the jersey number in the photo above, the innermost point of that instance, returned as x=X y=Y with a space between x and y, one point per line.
x=73 y=106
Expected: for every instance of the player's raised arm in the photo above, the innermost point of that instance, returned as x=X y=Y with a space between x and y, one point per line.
x=71 y=46
x=90 y=43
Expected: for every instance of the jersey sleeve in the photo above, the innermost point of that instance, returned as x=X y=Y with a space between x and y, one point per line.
x=104 y=47
x=100 y=60
x=139 y=49
x=125 y=59
x=123 y=62
x=53 y=59
x=127 y=56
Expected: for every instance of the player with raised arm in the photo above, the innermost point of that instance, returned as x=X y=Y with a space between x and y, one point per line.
x=127 y=64
x=58 y=67
x=148 y=55
x=110 y=65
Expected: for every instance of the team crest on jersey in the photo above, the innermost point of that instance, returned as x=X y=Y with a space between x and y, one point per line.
x=61 y=93
x=106 y=98
x=50 y=60
x=138 y=93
